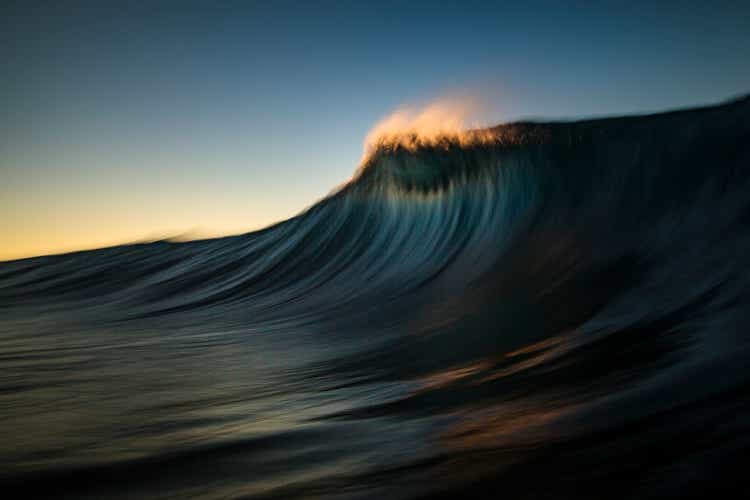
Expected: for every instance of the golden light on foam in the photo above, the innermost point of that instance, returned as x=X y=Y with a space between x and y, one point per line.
x=444 y=120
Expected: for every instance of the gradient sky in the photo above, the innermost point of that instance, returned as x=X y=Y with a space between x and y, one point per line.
x=135 y=122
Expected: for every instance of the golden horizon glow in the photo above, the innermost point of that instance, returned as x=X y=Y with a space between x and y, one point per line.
x=84 y=196
x=76 y=227
x=30 y=246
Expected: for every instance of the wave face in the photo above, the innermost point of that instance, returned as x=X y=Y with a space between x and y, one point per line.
x=559 y=312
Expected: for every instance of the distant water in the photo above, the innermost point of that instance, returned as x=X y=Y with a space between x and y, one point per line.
x=563 y=312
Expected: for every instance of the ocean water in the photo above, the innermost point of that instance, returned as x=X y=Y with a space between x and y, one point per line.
x=559 y=312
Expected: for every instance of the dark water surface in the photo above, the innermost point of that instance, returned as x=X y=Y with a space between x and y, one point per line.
x=562 y=313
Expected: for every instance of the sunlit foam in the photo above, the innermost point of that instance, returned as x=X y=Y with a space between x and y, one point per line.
x=454 y=120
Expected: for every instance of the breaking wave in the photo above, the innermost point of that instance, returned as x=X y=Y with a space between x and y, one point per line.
x=538 y=310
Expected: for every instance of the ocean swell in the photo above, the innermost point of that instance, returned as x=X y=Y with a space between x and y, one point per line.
x=547 y=310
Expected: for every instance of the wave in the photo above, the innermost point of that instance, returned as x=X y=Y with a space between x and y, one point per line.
x=470 y=313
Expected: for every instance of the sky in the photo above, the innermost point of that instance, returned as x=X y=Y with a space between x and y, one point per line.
x=193 y=119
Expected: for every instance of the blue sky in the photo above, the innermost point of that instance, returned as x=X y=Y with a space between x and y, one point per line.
x=141 y=121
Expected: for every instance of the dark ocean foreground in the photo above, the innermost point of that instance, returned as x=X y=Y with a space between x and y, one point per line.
x=560 y=312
